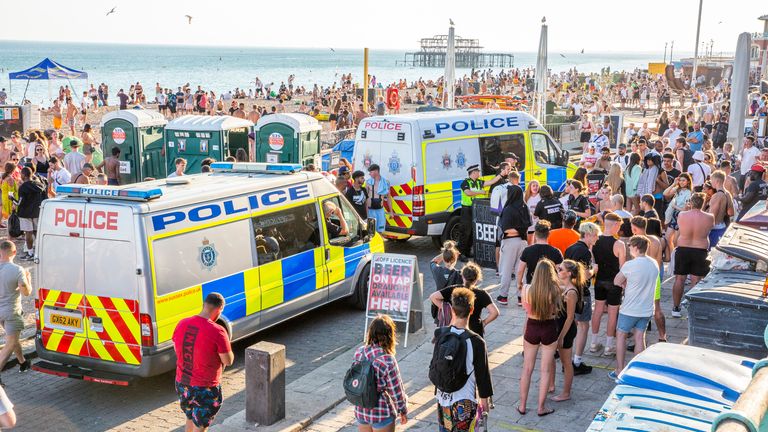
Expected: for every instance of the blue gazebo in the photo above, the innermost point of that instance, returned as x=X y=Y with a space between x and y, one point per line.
x=47 y=70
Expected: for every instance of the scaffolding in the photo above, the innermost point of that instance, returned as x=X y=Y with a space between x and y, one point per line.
x=469 y=54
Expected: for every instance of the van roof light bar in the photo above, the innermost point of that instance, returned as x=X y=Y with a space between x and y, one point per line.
x=109 y=192
x=255 y=167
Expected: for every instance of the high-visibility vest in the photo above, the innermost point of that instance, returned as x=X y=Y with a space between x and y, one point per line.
x=475 y=186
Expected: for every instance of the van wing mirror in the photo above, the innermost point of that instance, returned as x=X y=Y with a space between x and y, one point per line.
x=566 y=157
x=370 y=228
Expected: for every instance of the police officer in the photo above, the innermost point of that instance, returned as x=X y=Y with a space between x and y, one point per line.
x=471 y=188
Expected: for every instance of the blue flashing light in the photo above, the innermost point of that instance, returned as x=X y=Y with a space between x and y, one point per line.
x=255 y=167
x=109 y=192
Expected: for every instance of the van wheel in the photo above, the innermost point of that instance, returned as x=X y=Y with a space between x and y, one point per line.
x=452 y=230
x=359 y=298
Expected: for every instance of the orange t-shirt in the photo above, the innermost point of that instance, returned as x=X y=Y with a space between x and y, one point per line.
x=563 y=238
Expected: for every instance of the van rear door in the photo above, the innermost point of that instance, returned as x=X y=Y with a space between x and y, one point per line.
x=111 y=283
x=88 y=284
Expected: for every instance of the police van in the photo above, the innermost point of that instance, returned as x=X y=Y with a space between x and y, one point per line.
x=119 y=266
x=424 y=157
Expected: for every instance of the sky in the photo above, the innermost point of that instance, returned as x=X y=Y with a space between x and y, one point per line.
x=500 y=25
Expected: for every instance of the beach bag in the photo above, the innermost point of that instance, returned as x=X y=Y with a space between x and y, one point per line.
x=361 y=385
x=14 y=225
x=448 y=367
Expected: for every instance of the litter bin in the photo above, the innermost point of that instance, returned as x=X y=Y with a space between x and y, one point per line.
x=287 y=138
x=196 y=137
x=139 y=136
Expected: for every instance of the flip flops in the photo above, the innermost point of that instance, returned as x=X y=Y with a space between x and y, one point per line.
x=523 y=412
x=546 y=413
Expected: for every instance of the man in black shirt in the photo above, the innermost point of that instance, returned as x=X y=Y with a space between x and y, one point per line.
x=581 y=253
x=756 y=190
x=549 y=208
x=538 y=250
x=357 y=195
x=668 y=165
x=334 y=229
x=647 y=210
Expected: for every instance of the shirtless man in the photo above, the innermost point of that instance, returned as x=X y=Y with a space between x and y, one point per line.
x=71 y=115
x=56 y=110
x=694 y=226
x=720 y=206
x=254 y=114
x=639 y=225
x=111 y=167
x=731 y=185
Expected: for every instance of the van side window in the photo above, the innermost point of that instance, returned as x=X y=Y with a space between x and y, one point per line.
x=544 y=150
x=333 y=225
x=285 y=233
x=497 y=149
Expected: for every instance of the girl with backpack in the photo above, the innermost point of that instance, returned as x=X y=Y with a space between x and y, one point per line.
x=573 y=279
x=471 y=277
x=379 y=349
x=445 y=274
x=545 y=299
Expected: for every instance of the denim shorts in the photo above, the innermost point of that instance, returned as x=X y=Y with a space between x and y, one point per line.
x=586 y=314
x=626 y=323
x=381 y=218
x=378 y=425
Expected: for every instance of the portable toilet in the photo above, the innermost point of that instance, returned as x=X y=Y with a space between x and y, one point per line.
x=196 y=137
x=287 y=138
x=138 y=133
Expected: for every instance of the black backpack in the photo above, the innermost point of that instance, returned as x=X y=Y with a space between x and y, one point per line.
x=448 y=368
x=361 y=385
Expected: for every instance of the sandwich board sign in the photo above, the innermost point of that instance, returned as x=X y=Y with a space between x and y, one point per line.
x=391 y=286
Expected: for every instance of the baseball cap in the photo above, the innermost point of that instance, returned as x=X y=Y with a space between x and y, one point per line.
x=343 y=169
x=699 y=156
x=622 y=145
x=758 y=168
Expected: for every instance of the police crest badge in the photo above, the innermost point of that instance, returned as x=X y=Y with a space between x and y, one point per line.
x=208 y=255
x=367 y=159
x=461 y=159
x=446 y=161
x=394 y=163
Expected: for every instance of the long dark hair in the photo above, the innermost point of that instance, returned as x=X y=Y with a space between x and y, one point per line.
x=634 y=159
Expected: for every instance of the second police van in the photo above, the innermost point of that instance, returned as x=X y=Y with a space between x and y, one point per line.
x=119 y=266
x=425 y=156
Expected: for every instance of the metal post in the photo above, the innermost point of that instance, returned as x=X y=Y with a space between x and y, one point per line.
x=671 y=48
x=665 y=52
x=366 y=81
x=696 y=53
x=265 y=383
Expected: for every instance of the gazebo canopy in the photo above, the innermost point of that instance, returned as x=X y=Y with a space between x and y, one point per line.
x=47 y=70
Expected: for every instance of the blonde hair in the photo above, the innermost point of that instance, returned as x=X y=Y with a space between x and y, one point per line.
x=528 y=192
x=615 y=177
x=589 y=228
x=544 y=293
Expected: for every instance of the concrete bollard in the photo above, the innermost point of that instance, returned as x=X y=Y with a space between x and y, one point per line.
x=265 y=383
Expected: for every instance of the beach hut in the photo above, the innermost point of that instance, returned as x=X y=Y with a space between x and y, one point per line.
x=138 y=134
x=287 y=138
x=196 y=137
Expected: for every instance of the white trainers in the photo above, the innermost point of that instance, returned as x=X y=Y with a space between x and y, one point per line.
x=609 y=352
x=595 y=347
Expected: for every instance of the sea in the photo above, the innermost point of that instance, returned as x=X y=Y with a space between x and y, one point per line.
x=223 y=69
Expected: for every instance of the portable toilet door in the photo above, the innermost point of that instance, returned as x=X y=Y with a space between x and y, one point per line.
x=138 y=134
x=287 y=138
x=196 y=137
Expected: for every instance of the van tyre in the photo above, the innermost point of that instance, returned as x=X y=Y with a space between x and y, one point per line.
x=359 y=298
x=452 y=230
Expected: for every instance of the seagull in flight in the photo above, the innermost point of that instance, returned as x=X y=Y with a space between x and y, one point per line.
x=543 y=19
x=582 y=50
x=111 y=11
x=332 y=49
x=189 y=18
x=450 y=21
x=562 y=55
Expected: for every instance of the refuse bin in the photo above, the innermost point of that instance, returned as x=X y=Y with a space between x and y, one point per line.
x=138 y=134
x=741 y=248
x=196 y=137
x=287 y=138
x=728 y=312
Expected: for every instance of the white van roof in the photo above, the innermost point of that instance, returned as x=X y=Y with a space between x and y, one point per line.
x=457 y=122
x=136 y=117
x=298 y=121
x=207 y=123
x=166 y=194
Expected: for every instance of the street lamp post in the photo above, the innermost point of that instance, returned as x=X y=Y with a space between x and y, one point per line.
x=696 y=54
x=665 y=52
x=671 y=49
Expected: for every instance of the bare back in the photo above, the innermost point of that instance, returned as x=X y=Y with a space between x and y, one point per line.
x=694 y=227
x=111 y=167
x=654 y=249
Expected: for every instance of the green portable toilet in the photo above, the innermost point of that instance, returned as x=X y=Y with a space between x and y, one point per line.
x=196 y=137
x=138 y=133
x=287 y=138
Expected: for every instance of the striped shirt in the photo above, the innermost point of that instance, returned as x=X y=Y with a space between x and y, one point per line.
x=392 y=399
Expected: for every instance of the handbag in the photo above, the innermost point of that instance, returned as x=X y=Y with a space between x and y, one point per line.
x=14 y=225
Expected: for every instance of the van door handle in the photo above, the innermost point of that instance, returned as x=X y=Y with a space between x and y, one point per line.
x=327 y=254
x=537 y=173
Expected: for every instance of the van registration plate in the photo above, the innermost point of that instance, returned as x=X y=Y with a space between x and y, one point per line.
x=65 y=321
